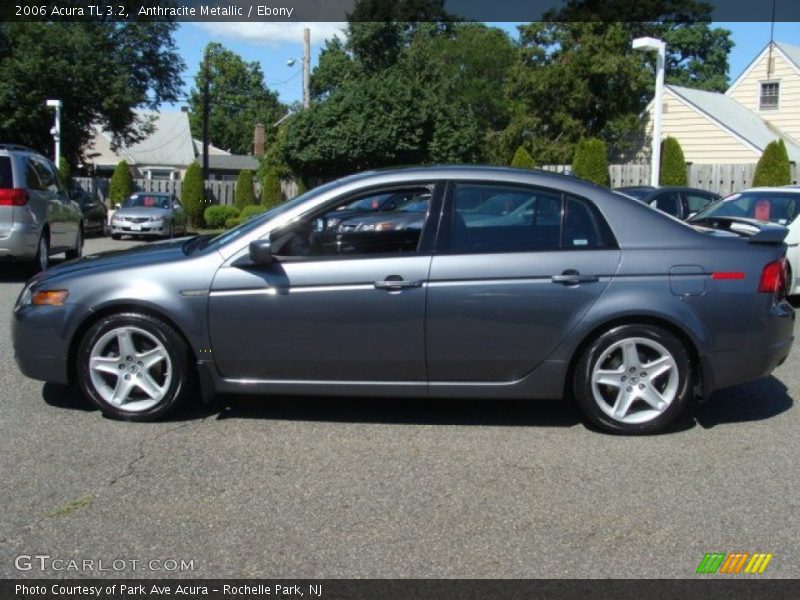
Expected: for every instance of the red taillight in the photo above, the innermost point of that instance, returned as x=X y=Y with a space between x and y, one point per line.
x=13 y=197
x=773 y=277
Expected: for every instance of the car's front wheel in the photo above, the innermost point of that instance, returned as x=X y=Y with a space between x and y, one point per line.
x=77 y=250
x=133 y=366
x=633 y=379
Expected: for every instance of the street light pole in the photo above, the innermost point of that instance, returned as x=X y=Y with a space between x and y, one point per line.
x=306 y=68
x=648 y=43
x=56 y=130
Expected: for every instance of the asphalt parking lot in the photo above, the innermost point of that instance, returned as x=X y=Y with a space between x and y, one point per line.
x=314 y=487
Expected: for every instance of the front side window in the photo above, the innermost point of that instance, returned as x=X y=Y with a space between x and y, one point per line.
x=768 y=99
x=378 y=223
x=32 y=180
x=669 y=203
x=490 y=218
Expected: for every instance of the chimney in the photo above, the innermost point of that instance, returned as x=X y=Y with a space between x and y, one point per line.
x=258 y=140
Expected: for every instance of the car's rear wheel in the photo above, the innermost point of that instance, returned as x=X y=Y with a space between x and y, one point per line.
x=77 y=251
x=41 y=260
x=633 y=379
x=133 y=367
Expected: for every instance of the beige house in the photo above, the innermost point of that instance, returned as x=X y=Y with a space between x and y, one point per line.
x=762 y=105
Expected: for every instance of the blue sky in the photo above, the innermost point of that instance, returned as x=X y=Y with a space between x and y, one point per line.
x=272 y=44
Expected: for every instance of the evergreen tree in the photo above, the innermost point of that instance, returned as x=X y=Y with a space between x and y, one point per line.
x=673 y=164
x=773 y=167
x=245 y=195
x=522 y=160
x=193 y=193
x=590 y=161
x=121 y=183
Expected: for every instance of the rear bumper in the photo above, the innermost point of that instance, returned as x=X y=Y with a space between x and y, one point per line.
x=20 y=241
x=758 y=359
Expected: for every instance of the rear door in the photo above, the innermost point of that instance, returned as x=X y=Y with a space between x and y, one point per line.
x=516 y=268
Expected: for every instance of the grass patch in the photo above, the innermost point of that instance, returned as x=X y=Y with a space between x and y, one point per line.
x=71 y=507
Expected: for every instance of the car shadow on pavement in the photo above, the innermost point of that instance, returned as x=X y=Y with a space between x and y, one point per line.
x=755 y=401
x=14 y=273
x=401 y=411
x=64 y=396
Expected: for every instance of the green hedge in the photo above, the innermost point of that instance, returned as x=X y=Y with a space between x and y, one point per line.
x=673 y=163
x=216 y=216
x=590 y=161
x=233 y=222
x=193 y=193
x=251 y=211
x=522 y=159
x=773 y=167
x=121 y=183
x=245 y=194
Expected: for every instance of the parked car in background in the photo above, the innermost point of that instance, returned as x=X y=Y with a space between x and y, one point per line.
x=37 y=218
x=95 y=212
x=149 y=214
x=780 y=205
x=619 y=306
x=680 y=202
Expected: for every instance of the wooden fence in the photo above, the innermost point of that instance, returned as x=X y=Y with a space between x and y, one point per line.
x=222 y=192
x=722 y=179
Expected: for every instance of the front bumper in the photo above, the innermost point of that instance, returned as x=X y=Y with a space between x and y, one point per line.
x=40 y=336
x=143 y=229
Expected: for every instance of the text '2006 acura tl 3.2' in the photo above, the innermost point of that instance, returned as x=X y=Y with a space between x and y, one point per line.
x=507 y=284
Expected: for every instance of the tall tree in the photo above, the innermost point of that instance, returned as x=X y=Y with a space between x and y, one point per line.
x=577 y=75
x=239 y=99
x=101 y=71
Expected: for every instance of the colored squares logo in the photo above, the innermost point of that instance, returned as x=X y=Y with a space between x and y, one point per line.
x=734 y=563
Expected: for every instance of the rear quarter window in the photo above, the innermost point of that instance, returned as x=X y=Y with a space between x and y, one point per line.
x=6 y=175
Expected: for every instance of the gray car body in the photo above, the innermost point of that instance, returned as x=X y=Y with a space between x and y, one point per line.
x=21 y=227
x=477 y=325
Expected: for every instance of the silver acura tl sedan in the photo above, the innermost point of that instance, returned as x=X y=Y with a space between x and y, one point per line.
x=586 y=295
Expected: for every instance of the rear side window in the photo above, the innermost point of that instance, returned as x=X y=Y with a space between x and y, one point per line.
x=6 y=175
x=32 y=180
x=669 y=203
x=697 y=202
x=495 y=218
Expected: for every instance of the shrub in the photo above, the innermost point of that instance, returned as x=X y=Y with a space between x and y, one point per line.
x=271 y=194
x=193 y=193
x=121 y=183
x=215 y=216
x=233 y=222
x=64 y=171
x=245 y=195
x=251 y=211
x=590 y=161
x=673 y=164
x=773 y=167
x=522 y=160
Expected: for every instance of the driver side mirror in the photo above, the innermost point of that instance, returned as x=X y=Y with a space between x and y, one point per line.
x=261 y=252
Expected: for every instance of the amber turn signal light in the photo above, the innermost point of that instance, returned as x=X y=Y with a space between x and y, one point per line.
x=49 y=297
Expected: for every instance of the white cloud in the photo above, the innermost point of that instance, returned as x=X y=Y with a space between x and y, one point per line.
x=271 y=33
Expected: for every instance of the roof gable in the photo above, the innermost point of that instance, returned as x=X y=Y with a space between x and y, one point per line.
x=789 y=53
x=734 y=118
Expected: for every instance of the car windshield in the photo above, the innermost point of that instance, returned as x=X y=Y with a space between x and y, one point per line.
x=776 y=207
x=146 y=201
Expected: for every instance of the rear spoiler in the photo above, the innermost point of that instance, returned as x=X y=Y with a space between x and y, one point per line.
x=758 y=232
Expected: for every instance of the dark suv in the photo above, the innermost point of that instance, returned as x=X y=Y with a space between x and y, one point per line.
x=37 y=218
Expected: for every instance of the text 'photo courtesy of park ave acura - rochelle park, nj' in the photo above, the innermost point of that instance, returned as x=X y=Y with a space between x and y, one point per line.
x=413 y=299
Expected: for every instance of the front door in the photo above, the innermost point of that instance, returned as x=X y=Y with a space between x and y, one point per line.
x=343 y=300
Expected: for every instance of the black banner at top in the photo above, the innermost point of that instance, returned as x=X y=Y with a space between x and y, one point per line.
x=409 y=10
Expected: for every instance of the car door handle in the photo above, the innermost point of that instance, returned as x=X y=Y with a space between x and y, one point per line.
x=395 y=282
x=572 y=277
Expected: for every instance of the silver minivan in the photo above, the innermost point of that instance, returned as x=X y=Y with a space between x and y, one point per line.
x=37 y=217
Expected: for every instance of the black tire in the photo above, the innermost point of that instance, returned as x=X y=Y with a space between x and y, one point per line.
x=607 y=347
x=179 y=366
x=41 y=261
x=171 y=232
x=77 y=251
x=115 y=236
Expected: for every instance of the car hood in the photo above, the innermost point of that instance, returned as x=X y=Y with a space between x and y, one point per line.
x=140 y=256
x=142 y=211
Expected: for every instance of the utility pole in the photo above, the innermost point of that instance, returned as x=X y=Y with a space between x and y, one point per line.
x=206 y=112
x=306 y=68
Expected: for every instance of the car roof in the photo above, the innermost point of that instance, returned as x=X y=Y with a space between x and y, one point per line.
x=792 y=189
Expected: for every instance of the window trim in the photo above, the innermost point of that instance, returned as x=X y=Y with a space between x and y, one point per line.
x=760 y=95
x=448 y=208
x=428 y=233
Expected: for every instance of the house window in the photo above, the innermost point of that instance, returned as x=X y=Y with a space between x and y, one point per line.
x=769 y=96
